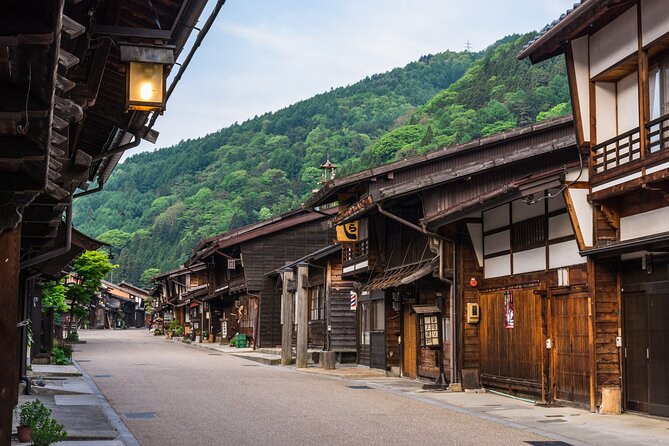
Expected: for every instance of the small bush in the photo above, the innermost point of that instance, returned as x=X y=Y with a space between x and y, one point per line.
x=62 y=355
x=32 y=412
x=74 y=336
x=47 y=432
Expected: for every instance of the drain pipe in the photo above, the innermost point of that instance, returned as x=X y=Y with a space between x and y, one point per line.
x=56 y=252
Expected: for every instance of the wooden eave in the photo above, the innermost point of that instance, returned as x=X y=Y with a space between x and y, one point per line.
x=587 y=17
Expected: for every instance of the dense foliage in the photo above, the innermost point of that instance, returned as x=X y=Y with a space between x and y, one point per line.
x=157 y=206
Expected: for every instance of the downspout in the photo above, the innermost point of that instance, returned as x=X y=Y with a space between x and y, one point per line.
x=56 y=252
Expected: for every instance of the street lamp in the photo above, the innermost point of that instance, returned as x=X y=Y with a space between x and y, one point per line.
x=146 y=75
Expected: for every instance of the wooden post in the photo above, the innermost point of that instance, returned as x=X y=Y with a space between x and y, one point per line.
x=287 y=317
x=10 y=247
x=302 y=315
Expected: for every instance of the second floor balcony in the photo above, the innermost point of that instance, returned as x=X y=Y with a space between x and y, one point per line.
x=624 y=162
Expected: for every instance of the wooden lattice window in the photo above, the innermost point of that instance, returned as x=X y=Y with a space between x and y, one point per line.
x=429 y=330
x=528 y=234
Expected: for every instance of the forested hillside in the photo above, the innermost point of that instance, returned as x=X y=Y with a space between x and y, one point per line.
x=157 y=206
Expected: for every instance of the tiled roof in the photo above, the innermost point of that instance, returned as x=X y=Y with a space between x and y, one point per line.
x=552 y=25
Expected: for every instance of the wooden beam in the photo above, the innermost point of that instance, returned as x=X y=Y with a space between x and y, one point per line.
x=10 y=247
x=643 y=87
x=575 y=102
x=59 y=123
x=63 y=84
x=57 y=138
x=67 y=60
x=66 y=109
x=72 y=29
x=302 y=358
x=287 y=312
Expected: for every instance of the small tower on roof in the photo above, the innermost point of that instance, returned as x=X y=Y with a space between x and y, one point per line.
x=328 y=171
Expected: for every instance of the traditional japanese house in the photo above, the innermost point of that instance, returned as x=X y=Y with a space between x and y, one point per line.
x=616 y=57
x=457 y=230
x=331 y=317
x=120 y=306
x=180 y=294
x=237 y=263
x=66 y=117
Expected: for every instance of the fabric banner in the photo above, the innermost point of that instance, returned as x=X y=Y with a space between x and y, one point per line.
x=508 y=310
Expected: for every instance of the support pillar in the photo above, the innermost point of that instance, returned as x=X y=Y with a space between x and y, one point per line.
x=10 y=249
x=287 y=318
x=302 y=316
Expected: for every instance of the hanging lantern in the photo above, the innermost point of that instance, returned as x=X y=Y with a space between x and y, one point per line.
x=146 y=74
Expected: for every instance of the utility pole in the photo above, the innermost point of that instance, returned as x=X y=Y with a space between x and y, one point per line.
x=468 y=46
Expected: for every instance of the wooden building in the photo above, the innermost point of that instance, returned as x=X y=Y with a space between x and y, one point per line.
x=65 y=120
x=331 y=317
x=119 y=306
x=616 y=56
x=484 y=228
x=237 y=263
x=180 y=293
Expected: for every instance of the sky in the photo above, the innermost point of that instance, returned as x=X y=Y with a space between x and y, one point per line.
x=263 y=55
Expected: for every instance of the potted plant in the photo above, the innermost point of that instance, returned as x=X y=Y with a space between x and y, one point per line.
x=30 y=414
x=47 y=431
x=205 y=336
x=198 y=338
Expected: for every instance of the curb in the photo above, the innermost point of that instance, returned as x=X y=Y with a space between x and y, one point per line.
x=124 y=433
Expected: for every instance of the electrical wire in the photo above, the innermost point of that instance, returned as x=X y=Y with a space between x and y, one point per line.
x=23 y=128
x=530 y=201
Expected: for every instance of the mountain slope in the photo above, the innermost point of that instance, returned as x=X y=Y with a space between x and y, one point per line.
x=157 y=206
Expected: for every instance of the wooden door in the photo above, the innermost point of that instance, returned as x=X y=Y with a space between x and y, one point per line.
x=636 y=344
x=570 y=369
x=377 y=359
x=658 y=361
x=511 y=358
x=409 y=343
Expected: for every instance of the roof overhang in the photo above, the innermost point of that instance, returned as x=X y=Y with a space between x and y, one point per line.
x=655 y=242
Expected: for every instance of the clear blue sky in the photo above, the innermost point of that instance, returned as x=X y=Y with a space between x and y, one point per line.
x=263 y=55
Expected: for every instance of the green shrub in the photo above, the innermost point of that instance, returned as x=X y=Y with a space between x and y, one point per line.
x=62 y=355
x=74 y=336
x=47 y=432
x=32 y=412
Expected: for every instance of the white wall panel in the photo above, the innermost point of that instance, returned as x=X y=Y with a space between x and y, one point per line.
x=557 y=202
x=530 y=260
x=580 y=49
x=646 y=223
x=496 y=218
x=614 y=42
x=476 y=234
x=605 y=98
x=523 y=211
x=628 y=103
x=654 y=19
x=497 y=267
x=564 y=254
x=501 y=241
x=559 y=226
x=584 y=211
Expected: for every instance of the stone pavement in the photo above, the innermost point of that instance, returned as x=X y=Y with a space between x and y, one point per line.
x=566 y=424
x=78 y=405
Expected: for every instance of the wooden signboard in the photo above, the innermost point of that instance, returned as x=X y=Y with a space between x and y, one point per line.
x=348 y=232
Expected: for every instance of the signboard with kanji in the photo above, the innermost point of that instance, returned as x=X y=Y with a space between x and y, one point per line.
x=348 y=232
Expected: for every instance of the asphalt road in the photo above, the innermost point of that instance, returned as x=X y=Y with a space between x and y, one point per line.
x=200 y=397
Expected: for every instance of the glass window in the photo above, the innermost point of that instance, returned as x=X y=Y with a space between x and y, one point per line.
x=429 y=330
x=378 y=315
x=364 y=323
x=317 y=307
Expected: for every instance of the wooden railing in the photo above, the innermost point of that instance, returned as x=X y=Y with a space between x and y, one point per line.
x=657 y=132
x=354 y=251
x=625 y=148
x=616 y=151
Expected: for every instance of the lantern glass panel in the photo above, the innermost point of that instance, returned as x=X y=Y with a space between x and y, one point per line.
x=146 y=86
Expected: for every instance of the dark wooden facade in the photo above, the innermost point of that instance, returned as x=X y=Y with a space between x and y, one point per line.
x=619 y=101
x=238 y=261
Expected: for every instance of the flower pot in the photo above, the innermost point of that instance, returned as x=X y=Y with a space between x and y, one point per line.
x=197 y=339
x=24 y=433
x=211 y=338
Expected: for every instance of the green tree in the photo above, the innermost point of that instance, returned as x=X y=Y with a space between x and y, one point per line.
x=54 y=296
x=147 y=275
x=88 y=270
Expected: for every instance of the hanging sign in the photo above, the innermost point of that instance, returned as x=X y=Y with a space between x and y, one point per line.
x=348 y=232
x=509 y=319
x=224 y=329
x=354 y=300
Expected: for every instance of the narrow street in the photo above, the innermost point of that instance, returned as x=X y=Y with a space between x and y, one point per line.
x=203 y=397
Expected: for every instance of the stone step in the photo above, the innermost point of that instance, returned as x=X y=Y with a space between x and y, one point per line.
x=262 y=358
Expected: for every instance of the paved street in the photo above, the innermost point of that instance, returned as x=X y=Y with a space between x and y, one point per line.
x=203 y=397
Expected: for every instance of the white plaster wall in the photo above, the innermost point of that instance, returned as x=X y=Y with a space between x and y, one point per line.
x=614 y=42
x=530 y=260
x=496 y=218
x=654 y=19
x=628 y=103
x=500 y=241
x=580 y=49
x=605 y=99
x=559 y=226
x=476 y=234
x=557 y=202
x=584 y=212
x=564 y=254
x=523 y=211
x=646 y=223
x=497 y=266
